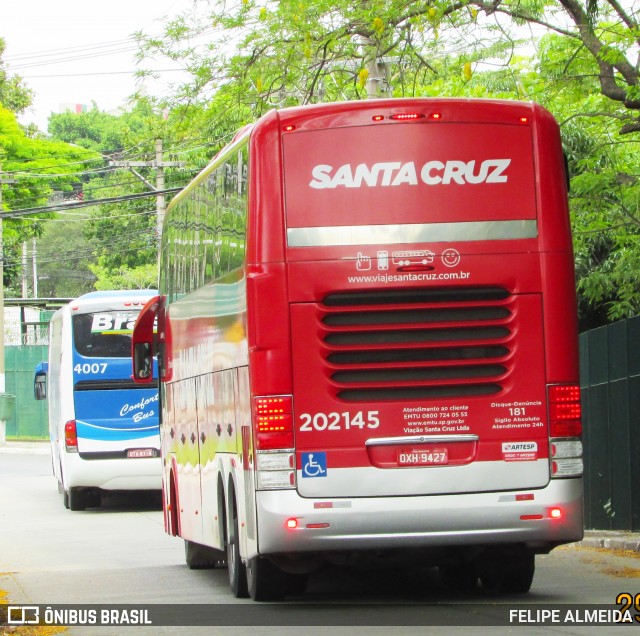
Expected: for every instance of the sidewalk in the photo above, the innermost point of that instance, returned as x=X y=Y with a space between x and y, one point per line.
x=607 y=539
x=26 y=448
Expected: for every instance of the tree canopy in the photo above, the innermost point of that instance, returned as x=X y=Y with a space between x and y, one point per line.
x=578 y=60
x=274 y=53
x=123 y=234
x=35 y=168
x=14 y=94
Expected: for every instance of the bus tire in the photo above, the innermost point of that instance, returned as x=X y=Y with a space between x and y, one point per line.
x=65 y=498
x=265 y=581
x=519 y=573
x=459 y=576
x=76 y=499
x=202 y=557
x=510 y=573
x=237 y=569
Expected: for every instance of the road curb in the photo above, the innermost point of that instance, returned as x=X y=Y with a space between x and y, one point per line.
x=611 y=540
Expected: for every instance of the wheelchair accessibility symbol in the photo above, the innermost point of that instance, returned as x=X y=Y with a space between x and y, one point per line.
x=314 y=464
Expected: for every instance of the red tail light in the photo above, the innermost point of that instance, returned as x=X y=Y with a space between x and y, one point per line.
x=565 y=412
x=273 y=421
x=70 y=436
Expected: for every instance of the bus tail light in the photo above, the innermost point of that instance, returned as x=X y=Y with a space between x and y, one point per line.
x=565 y=427
x=275 y=457
x=565 y=413
x=273 y=422
x=70 y=437
x=275 y=470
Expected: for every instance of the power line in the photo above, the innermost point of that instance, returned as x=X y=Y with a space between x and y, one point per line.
x=91 y=251
x=72 y=54
x=49 y=75
x=77 y=218
x=46 y=53
x=83 y=204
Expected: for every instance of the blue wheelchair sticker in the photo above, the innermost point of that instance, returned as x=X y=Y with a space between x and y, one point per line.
x=314 y=464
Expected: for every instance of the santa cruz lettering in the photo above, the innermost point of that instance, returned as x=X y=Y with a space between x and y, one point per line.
x=395 y=173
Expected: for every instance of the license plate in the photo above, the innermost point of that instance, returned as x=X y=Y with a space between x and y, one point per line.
x=137 y=453
x=416 y=457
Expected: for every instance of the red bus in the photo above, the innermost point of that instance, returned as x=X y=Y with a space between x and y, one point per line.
x=367 y=343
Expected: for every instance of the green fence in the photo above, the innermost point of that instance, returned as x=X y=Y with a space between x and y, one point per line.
x=610 y=381
x=30 y=419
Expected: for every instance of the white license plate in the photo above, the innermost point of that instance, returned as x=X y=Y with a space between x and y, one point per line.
x=137 y=453
x=416 y=457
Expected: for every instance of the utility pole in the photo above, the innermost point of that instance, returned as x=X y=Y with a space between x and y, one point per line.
x=377 y=70
x=35 y=268
x=159 y=164
x=25 y=275
x=160 y=201
x=3 y=424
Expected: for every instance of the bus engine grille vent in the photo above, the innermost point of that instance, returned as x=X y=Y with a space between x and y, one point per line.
x=413 y=344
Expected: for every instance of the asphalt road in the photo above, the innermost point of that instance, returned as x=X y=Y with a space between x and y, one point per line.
x=119 y=554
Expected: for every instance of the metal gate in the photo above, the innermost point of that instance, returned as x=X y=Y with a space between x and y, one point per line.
x=610 y=380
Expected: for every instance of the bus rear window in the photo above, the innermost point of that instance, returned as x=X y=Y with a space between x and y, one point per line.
x=409 y=173
x=104 y=334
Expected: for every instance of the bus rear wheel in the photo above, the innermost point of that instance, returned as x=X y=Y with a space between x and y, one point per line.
x=236 y=568
x=202 y=557
x=267 y=582
x=509 y=572
x=76 y=498
x=82 y=498
x=461 y=576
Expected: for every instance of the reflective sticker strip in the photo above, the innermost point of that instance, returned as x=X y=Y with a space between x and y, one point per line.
x=411 y=233
x=421 y=439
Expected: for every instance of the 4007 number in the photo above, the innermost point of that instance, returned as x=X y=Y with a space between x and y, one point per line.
x=339 y=421
x=94 y=369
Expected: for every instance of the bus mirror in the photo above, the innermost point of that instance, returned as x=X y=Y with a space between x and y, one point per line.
x=142 y=362
x=40 y=382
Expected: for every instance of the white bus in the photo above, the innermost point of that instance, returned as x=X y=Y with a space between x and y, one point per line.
x=103 y=427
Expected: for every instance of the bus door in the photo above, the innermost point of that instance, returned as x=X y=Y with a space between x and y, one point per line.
x=416 y=307
x=114 y=417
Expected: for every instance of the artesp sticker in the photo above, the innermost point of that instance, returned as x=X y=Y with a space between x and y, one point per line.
x=519 y=451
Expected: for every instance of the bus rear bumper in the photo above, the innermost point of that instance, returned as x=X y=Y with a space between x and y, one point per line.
x=112 y=474
x=538 y=519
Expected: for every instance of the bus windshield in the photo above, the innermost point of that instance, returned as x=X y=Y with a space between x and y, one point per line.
x=104 y=334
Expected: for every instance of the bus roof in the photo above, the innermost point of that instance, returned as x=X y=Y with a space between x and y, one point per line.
x=112 y=299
